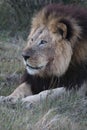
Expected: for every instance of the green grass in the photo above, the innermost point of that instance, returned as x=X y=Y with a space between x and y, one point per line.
x=69 y=112
x=11 y=65
x=62 y=114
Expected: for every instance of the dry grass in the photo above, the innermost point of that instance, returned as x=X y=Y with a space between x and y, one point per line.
x=67 y=113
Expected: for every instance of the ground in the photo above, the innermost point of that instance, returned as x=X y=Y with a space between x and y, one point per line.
x=69 y=112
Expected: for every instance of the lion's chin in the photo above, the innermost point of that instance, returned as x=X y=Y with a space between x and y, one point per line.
x=32 y=71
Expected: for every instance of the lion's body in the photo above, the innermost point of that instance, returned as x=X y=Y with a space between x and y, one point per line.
x=76 y=21
x=56 y=53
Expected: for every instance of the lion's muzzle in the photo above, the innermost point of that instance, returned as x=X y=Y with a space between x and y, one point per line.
x=27 y=53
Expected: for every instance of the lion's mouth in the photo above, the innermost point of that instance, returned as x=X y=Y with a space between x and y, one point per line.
x=35 y=68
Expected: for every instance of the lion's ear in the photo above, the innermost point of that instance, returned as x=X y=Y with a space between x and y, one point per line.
x=62 y=29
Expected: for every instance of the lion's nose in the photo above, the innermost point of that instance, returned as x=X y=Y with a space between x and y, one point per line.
x=27 y=53
x=25 y=56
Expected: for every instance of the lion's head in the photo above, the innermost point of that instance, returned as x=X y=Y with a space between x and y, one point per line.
x=50 y=44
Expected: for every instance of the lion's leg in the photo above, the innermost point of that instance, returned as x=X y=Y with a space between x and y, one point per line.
x=21 y=91
x=42 y=96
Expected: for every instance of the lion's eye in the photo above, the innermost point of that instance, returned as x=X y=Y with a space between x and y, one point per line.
x=42 y=42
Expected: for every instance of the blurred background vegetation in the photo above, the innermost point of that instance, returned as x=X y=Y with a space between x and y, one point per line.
x=15 y=15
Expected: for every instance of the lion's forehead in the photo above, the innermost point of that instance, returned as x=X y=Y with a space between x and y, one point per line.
x=41 y=33
x=37 y=32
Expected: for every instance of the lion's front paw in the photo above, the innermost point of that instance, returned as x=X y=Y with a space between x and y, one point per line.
x=8 y=100
x=2 y=99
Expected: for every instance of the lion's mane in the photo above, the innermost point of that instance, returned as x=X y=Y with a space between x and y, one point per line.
x=75 y=19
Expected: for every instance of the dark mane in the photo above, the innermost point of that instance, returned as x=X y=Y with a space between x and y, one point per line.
x=39 y=84
x=76 y=12
x=73 y=78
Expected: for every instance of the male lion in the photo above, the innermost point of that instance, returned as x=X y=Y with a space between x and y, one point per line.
x=56 y=53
